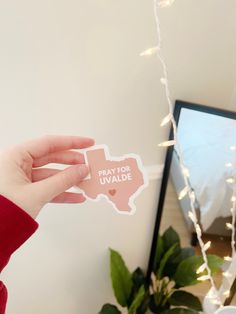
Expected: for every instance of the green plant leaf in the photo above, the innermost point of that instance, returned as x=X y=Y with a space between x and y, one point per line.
x=186 y=272
x=180 y=311
x=138 y=278
x=157 y=308
x=170 y=237
x=164 y=260
x=159 y=253
x=142 y=309
x=176 y=259
x=109 y=309
x=121 y=278
x=137 y=300
x=183 y=298
x=183 y=254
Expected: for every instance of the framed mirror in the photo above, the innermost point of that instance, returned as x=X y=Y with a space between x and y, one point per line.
x=207 y=138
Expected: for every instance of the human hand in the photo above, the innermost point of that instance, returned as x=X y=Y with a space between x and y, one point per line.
x=25 y=183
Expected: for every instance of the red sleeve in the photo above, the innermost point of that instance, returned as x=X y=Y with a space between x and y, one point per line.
x=16 y=226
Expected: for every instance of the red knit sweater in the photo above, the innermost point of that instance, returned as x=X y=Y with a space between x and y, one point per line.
x=16 y=226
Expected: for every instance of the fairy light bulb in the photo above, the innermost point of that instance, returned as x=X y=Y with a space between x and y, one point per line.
x=192 y=217
x=216 y=302
x=183 y=193
x=201 y=269
x=185 y=172
x=227 y=293
x=228 y=165
x=166 y=120
x=149 y=52
x=233 y=148
x=167 y=143
x=203 y=278
x=207 y=246
x=230 y=180
x=229 y=225
x=198 y=229
x=211 y=295
x=163 y=81
x=233 y=198
x=227 y=274
x=192 y=196
x=165 y=3
x=228 y=259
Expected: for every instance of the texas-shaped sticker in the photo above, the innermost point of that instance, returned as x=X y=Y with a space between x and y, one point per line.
x=118 y=179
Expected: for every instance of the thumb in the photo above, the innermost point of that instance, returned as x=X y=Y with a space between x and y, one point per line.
x=60 y=182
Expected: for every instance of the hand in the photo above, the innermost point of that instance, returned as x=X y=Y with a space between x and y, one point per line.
x=30 y=187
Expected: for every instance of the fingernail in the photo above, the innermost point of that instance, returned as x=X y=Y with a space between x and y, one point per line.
x=83 y=170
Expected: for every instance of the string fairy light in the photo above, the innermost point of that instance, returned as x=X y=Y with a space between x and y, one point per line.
x=231 y=225
x=233 y=199
x=207 y=245
x=187 y=190
x=183 y=193
x=227 y=274
x=149 y=51
x=165 y=3
x=167 y=143
x=201 y=269
x=199 y=232
x=228 y=258
x=192 y=217
x=163 y=80
x=203 y=278
x=185 y=171
x=227 y=293
x=166 y=120
x=217 y=302
x=233 y=212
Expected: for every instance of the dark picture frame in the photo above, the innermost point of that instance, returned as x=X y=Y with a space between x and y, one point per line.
x=179 y=105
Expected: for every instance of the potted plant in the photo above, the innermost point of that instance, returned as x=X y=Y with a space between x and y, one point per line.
x=173 y=269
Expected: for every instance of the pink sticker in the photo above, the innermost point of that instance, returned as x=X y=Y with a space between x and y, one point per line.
x=119 y=180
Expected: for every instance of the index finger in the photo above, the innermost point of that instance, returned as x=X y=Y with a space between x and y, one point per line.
x=52 y=143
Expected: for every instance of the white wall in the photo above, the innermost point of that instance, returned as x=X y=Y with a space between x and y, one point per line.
x=73 y=67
